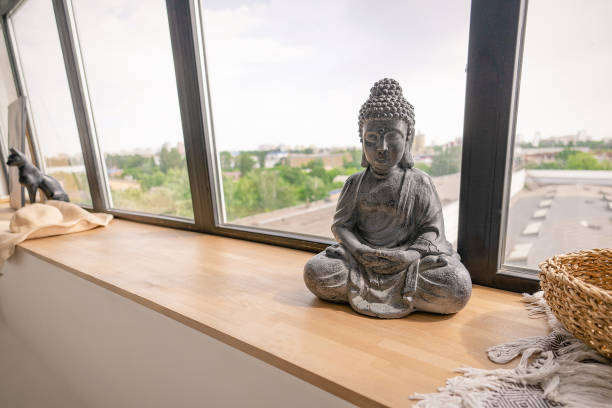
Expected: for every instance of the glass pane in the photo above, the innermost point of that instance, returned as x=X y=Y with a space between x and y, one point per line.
x=46 y=85
x=130 y=73
x=8 y=93
x=561 y=194
x=286 y=84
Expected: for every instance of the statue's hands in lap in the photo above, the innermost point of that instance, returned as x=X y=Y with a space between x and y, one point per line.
x=386 y=261
x=433 y=261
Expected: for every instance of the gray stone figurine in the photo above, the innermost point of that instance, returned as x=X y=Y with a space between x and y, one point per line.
x=392 y=257
x=32 y=178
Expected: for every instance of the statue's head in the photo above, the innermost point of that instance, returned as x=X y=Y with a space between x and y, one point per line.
x=386 y=127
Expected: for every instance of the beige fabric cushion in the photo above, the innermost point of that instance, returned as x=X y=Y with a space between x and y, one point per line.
x=44 y=220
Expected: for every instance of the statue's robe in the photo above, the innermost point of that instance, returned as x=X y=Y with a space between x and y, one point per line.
x=437 y=283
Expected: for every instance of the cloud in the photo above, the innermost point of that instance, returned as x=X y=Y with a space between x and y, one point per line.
x=281 y=72
x=296 y=73
x=565 y=80
x=45 y=77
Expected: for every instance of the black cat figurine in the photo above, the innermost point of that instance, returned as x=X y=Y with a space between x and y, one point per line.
x=33 y=179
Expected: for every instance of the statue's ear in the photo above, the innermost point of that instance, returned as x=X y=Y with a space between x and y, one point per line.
x=364 y=161
x=407 y=162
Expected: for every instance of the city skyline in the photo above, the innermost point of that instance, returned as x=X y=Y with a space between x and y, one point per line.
x=251 y=43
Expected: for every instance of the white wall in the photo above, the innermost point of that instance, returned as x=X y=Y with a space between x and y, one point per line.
x=590 y=177
x=450 y=212
x=66 y=342
x=518 y=182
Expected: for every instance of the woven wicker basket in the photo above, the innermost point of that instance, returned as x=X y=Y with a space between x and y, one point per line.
x=578 y=289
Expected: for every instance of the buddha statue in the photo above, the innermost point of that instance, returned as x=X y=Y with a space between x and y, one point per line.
x=392 y=257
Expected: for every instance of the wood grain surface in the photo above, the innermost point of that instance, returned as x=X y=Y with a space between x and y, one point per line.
x=252 y=297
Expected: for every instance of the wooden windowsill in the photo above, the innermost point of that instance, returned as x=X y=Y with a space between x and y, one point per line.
x=251 y=296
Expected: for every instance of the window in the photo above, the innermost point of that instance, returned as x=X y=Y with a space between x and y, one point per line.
x=128 y=63
x=561 y=195
x=42 y=66
x=141 y=73
x=286 y=83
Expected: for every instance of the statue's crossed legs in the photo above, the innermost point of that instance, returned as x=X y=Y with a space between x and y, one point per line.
x=442 y=284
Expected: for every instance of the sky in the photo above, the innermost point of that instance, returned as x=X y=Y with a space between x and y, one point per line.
x=41 y=60
x=7 y=89
x=566 y=82
x=296 y=73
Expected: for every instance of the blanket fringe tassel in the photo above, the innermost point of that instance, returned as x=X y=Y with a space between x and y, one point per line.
x=569 y=372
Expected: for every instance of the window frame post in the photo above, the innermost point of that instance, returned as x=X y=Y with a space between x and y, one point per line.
x=182 y=37
x=492 y=90
x=5 y=9
x=94 y=165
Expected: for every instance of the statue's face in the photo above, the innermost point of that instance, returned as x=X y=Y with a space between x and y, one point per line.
x=384 y=141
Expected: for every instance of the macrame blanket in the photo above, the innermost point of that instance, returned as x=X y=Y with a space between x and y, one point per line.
x=556 y=370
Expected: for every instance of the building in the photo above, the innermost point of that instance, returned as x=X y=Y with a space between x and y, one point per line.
x=418 y=146
x=274 y=158
x=330 y=160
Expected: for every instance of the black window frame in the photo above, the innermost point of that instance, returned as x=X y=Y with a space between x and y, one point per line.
x=496 y=37
x=497 y=34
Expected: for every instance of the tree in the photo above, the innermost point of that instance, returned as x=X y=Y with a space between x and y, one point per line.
x=582 y=161
x=291 y=175
x=261 y=158
x=170 y=159
x=134 y=166
x=245 y=163
x=317 y=169
x=314 y=189
x=564 y=154
x=570 y=159
x=355 y=161
x=152 y=180
x=259 y=191
x=226 y=159
x=447 y=161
